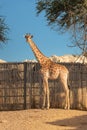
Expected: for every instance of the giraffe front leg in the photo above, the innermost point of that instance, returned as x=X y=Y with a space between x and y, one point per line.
x=48 y=99
x=44 y=98
x=45 y=94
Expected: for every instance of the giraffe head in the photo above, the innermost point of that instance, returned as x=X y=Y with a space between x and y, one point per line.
x=28 y=36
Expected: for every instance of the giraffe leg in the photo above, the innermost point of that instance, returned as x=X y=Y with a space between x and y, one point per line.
x=45 y=94
x=67 y=105
x=63 y=78
x=48 y=100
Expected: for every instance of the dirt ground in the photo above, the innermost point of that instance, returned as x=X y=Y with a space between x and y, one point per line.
x=37 y=119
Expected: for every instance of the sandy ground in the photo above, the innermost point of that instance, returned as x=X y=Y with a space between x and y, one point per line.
x=37 y=119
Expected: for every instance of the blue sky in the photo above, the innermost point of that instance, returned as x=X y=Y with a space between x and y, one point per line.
x=20 y=16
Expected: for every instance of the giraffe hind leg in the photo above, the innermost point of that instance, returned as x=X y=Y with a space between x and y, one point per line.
x=67 y=104
x=63 y=78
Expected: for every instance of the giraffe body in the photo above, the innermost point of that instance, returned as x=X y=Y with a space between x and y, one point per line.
x=50 y=70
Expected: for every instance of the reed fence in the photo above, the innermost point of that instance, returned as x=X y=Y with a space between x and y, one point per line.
x=21 y=87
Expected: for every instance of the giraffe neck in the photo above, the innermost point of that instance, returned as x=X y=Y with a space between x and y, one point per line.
x=38 y=54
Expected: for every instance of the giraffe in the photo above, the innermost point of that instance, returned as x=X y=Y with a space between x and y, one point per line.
x=49 y=70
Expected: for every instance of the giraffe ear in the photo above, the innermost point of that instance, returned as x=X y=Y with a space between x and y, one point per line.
x=25 y=34
x=31 y=36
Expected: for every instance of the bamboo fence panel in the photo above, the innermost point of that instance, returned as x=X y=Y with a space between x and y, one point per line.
x=21 y=87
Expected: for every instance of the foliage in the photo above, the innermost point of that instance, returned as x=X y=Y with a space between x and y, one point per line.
x=3 y=30
x=65 y=15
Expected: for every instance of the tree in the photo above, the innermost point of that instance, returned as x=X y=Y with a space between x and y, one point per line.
x=3 y=30
x=65 y=15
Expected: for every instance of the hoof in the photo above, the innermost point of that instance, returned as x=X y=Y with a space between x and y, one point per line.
x=47 y=108
x=66 y=108
x=43 y=108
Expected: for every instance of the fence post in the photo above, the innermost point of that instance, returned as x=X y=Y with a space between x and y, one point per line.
x=25 y=80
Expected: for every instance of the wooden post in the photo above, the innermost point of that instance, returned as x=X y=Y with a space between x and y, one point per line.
x=25 y=80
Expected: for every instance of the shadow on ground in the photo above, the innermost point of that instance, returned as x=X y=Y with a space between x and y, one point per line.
x=77 y=122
